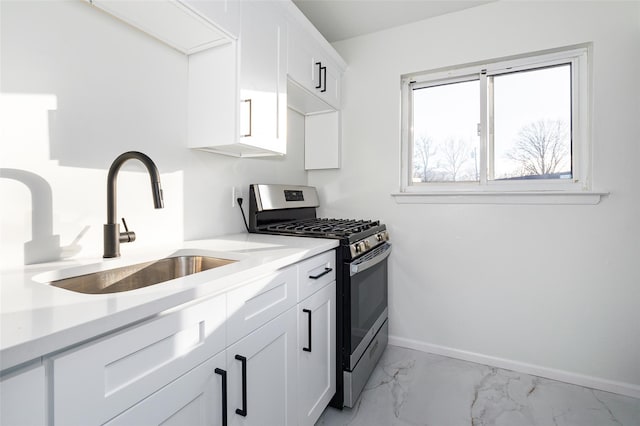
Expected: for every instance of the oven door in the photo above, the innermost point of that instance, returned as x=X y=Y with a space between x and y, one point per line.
x=366 y=307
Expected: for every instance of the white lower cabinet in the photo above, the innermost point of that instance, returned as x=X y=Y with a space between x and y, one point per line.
x=262 y=374
x=256 y=377
x=23 y=397
x=193 y=399
x=261 y=354
x=99 y=380
x=316 y=353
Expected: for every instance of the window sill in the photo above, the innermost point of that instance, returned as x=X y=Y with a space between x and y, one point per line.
x=501 y=197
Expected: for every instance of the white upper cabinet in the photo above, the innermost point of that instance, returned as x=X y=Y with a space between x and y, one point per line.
x=312 y=69
x=263 y=79
x=237 y=93
x=247 y=62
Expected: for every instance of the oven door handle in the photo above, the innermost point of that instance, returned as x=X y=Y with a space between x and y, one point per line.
x=356 y=268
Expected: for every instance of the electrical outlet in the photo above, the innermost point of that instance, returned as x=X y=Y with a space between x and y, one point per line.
x=236 y=193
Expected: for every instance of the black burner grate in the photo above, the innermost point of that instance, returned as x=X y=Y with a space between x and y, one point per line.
x=323 y=227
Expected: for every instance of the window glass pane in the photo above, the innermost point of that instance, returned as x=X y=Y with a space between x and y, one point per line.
x=445 y=128
x=532 y=124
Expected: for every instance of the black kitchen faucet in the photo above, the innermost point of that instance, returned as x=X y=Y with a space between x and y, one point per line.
x=112 y=235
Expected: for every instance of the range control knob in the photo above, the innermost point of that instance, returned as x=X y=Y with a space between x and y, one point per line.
x=367 y=245
x=379 y=237
x=358 y=248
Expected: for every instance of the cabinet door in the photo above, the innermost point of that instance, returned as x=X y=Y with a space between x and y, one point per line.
x=101 y=379
x=300 y=66
x=316 y=353
x=327 y=80
x=23 y=396
x=308 y=66
x=263 y=375
x=322 y=141
x=263 y=81
x=194 y=399
x=212 y=118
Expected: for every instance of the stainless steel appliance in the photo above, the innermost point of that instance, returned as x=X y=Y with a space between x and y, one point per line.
x=361 y=310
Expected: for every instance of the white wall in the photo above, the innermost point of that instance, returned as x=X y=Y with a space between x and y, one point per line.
x=85 y=87
x=548 y=289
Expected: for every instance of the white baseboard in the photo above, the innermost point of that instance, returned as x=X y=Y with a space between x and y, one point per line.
x=622 y=388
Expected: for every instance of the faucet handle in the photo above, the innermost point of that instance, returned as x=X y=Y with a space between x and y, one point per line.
x=127 y=236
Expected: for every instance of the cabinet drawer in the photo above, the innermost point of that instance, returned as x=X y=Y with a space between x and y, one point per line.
x=192 y=399
x=101 y=379
x=315 y=273
x=253 y=304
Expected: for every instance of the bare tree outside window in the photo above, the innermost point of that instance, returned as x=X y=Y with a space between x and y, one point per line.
x=542 y=148
x=423 y=152
x=455 y=154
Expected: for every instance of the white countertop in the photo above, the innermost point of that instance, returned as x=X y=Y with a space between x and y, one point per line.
x=37 y=319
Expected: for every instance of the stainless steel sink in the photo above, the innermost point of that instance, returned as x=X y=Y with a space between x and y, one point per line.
x=140 y=275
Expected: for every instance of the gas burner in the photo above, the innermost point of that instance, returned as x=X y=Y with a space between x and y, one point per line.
x=323 y=227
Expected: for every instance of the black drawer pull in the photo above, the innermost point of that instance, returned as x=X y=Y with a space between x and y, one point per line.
x=325 y=272
x=308 y=349
x=223 y=373
x=319 y=64
x=325 y=79
x=243 y=410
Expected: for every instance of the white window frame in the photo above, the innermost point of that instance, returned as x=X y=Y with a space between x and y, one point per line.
x=518 y=191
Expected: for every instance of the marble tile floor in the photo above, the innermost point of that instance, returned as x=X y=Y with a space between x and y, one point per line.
x=410 y=388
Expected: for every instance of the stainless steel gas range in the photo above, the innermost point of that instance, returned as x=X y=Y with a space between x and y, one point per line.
x=361 y=279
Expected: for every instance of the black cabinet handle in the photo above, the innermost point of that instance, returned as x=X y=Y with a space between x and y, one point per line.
x=223 y=373
x=325 y=272
x=319 y=64
x=243 y=411
x=324 y=78
x=308 y=349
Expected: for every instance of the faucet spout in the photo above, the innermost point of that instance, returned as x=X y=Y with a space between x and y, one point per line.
x=112 y=235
